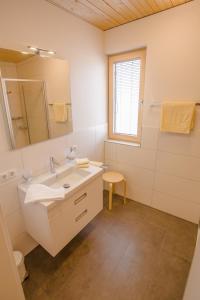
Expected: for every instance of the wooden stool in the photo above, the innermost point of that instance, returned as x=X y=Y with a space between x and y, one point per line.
x=112 y=178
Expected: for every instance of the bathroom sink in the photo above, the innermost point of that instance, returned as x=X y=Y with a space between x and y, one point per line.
x=53 y=224
x=69 y=176
x=72 y=177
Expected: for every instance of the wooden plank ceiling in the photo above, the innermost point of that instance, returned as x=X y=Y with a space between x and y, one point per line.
x=106 y=14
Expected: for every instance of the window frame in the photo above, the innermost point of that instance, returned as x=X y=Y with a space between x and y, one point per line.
x=141 y=54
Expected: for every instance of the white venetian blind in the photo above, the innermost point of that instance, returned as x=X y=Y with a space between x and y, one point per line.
x=126 y=78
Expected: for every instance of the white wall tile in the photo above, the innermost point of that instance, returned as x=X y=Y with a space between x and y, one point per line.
x=36 y=157
x=136 y=176
x=9 y=197
x=180 y=143
x=165 y=173
x=174 y=143
x=151 y=115
x=197 y=119
x=11 y=160
x=184 y=209
x=139 y=182
x=85 y=141
x=142 y=195
x=178 y=187
x=195 y=143
x=60 y=146
x=137 y=156
x=24 y=243
x=179 y=165
x=15 y=224
x=149 y=137
x=137 y=193
x=110 y=152
x=100 y=136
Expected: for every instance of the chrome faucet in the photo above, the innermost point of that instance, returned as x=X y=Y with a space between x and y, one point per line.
x=52 y=164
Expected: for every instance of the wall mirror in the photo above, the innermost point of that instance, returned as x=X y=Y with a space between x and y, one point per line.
x=36 y=97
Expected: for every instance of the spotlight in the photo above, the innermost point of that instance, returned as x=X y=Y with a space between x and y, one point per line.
x=41 y=52
x=33 y=48
x=51 y=52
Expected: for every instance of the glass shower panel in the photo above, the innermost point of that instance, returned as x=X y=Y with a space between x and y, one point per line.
x=33 y=94
x=27 y=103
x=18 y=117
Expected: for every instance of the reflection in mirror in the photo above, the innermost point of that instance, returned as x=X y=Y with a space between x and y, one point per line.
x=36 y=97
x=28 y=112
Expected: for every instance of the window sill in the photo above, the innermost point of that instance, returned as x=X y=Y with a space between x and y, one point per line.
x=123 y=143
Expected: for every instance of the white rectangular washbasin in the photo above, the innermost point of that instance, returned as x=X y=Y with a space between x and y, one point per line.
x=72 y=177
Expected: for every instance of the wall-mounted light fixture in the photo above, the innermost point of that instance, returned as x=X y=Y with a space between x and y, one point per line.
x=25 y=52
x=41 y=52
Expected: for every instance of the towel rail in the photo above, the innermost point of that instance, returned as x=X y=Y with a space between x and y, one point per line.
x=159 y=104
x=51 y=104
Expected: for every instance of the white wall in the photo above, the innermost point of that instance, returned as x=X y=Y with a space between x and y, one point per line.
x=36 y=22
x=10 y=287
x=165 y=172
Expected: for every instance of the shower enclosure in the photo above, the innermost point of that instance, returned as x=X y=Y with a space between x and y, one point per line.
x=26 y=110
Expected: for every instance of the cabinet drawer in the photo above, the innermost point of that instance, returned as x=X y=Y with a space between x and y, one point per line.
x=80 y=199
x=93 y=204
x=71 y=215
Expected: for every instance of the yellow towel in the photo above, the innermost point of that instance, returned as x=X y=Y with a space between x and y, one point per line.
x=60 y=112
x=177 y=117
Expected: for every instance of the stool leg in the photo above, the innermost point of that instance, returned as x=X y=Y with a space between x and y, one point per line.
x=124 y=191
x=113 y=188
x=110 y=196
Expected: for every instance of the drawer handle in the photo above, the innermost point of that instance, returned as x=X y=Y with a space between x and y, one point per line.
x=81 y=215
x=79 y=199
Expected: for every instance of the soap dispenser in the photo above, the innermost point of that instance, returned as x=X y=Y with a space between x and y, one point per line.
x=72 y=154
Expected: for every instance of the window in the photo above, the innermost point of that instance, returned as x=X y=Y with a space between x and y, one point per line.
x=126 y=89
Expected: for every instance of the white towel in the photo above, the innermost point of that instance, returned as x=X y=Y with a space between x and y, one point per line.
x=82 y=161
x=96 y=163
x=41 y=193
x=83 y=166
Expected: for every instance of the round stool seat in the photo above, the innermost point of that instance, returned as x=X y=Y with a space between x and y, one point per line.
x=113 y=177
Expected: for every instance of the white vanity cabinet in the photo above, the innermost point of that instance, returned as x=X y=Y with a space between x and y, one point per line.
x=53 y=226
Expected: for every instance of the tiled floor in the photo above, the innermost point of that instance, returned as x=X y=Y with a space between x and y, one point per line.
x=131 y=253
